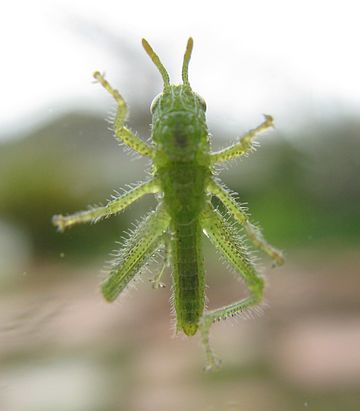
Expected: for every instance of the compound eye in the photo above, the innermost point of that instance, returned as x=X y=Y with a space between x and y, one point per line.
x=154 y=103
x=202 y=102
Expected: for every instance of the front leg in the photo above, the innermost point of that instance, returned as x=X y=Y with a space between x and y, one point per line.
x=245 y=144
x=122 y=132
x=227 y=241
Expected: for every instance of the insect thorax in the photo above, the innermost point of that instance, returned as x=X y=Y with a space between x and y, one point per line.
x=181 y=143
x=179 y=128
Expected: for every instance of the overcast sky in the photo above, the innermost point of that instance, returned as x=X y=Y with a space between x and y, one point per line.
x=293 y=59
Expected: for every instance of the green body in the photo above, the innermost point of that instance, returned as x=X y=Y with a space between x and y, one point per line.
x=181 y=163
x=182 y=178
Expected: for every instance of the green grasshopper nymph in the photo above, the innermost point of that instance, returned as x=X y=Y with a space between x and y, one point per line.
x=183 y=178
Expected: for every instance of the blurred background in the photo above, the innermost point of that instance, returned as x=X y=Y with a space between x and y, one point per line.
x=61 y=347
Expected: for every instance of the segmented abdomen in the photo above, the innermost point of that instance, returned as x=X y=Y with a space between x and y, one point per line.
x=184 y=196
x=188 y=275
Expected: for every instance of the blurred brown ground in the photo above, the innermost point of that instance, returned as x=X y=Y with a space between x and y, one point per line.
x=300 y=354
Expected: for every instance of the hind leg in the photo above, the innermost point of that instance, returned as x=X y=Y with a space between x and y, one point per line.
x=239 y=214
x=141 y=245
x=224 y=238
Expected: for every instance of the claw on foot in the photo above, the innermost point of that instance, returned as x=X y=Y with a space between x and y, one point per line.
x=212 y=363
x=155 y=283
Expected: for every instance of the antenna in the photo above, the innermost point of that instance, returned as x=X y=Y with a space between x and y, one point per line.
x=187 y=57
x=155 y=59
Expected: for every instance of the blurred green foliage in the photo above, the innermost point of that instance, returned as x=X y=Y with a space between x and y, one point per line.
x=302 y=189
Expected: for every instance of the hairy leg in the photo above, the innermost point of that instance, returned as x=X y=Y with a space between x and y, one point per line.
x=224 y=238
x=121 y=132
x=137 y=251
x=254 y=233
x=156 y=280
x=112 y=207
x=245 y=144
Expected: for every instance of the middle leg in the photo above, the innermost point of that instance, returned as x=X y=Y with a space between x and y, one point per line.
x=112 y=207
